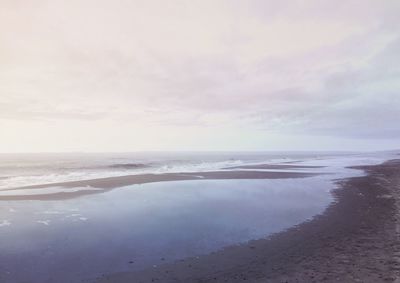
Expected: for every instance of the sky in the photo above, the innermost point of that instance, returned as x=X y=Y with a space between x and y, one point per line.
x=119 y=75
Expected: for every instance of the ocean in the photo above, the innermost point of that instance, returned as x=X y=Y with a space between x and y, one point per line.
x=140 y=226
x=18 y=170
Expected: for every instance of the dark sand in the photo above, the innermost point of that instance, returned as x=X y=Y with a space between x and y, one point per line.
x=355 y=240
x=275 y=167
x=106 y=184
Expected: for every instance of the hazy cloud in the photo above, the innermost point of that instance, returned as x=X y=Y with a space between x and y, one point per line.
x=290 y=67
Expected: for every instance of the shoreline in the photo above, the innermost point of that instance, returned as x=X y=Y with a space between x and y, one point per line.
x=107 y=184
x=354 y=240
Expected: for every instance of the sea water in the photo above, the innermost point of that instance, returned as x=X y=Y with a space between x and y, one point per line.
x=139 y=226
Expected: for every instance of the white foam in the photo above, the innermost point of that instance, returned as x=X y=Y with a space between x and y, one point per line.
x=50 y=173
x=84 y=174
x=49 y=212
x=73 y=215
x=44 y=222
x=56 y=175
x=4 y=223
x=45 y=191
x=74 y=209
x=338 y=167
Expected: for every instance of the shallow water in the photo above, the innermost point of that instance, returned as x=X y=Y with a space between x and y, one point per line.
x=144 y=225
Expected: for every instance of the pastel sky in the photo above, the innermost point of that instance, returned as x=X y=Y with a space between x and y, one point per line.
x=119 y=75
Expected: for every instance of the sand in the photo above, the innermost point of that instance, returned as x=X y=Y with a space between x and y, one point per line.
x=355 y=240
x=107 y=184
x=275 y=167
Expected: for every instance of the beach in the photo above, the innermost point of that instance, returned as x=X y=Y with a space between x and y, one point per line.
x=315 y=219
x=199 y=141
x=107 y=184
x=355 y=240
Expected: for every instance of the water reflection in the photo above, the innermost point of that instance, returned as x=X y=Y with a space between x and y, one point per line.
x=137 y=226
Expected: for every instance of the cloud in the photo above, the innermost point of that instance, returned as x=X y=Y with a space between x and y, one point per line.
x=290 y=67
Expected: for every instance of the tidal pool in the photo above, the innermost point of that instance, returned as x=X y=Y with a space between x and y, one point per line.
x=134 y=227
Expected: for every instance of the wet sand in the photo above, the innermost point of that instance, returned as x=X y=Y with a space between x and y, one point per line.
x=107 y=184
x=275 y=167
x=355 y=240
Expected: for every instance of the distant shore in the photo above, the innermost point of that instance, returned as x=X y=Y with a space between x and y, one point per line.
x=355 y=240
